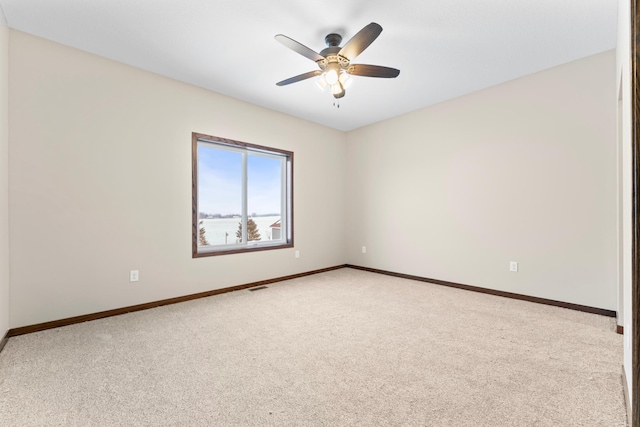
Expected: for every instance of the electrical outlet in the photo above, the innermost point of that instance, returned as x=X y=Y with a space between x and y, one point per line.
x=134 y=275
x=364 y=249
x=513 y=266
x=297 y=254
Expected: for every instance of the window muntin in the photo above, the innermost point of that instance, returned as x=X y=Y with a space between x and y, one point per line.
x=242 y=197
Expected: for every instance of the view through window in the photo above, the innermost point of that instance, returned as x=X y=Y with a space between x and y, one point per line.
x=242 y=197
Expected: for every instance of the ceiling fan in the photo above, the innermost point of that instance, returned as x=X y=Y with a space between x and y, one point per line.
x=335 y=61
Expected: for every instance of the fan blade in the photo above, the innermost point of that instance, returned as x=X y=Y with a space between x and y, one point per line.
x=299 y=47
x=372 y=71
x=360 y=41
x=299 y=77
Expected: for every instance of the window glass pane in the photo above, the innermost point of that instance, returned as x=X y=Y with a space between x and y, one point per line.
x=242 y=200
x=219 y=195
x=264 y=197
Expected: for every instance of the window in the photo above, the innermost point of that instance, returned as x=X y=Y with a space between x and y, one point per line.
x=242 y=197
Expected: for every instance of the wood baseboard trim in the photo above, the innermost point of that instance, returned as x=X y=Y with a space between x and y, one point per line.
x=620 y=329
x=3 y=341
x=511 y=295
x=118 y=311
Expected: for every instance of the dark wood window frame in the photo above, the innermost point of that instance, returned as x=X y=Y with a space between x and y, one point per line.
x=287 y=241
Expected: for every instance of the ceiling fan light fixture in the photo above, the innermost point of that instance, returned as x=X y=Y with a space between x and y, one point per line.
x=334 y=62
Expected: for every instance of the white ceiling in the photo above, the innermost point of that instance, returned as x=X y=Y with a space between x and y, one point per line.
x=443 y=48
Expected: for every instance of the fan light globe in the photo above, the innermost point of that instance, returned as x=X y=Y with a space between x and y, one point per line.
x=322 y=83
x=345 y=79
x=331 y=77
x=337 y=89
x=332 y=73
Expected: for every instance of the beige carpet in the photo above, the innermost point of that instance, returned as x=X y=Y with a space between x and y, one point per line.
x=341 y=348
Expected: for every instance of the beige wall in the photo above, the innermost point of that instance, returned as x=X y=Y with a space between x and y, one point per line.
x=524 y=171
x=623 y=89
x=100 y=184
x=4 y=178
